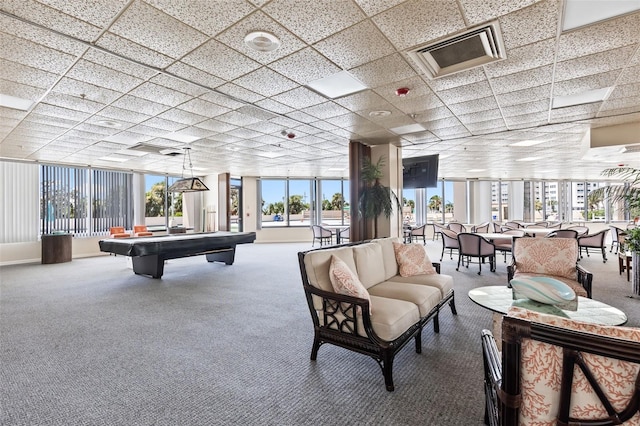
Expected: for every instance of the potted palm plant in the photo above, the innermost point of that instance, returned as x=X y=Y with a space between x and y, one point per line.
x=376 y=199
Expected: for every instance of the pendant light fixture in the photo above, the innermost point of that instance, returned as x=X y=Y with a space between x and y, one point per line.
x=189 y=184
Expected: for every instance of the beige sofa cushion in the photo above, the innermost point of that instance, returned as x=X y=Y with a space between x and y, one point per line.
x=369 y=263
x=550 y=256
x=388 y=256
x=425 y=297
x=345 y=281
x=413 y=260
x=442 y=282
x=317 y=264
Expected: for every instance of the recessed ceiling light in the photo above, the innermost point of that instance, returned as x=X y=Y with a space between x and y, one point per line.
x=526 y=143
x=109 y=123
x=587 y=97
x=262 y=41
x=181 y=137
x=578 y=13
x=409 y=128
x=477 y=170
x=381 y=113
x=15 y=103
x=114 y=159
x=337 y=85
x=528 y=159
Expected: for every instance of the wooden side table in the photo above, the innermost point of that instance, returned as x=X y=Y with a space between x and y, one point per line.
x=56 y=248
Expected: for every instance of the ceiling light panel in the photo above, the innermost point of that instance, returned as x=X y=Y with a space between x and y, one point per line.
x=337 y=85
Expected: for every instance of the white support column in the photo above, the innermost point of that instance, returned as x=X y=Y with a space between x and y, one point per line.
x=139 y=199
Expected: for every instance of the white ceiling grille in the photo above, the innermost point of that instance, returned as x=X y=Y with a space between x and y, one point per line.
x=470 y=49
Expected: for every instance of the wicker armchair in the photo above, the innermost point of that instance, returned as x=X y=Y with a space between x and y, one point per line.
x=583 y=373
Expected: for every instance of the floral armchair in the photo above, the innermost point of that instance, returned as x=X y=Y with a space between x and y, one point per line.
x=557 y=371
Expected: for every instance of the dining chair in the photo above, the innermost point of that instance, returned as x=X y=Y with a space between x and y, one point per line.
x=505 y=245
x=582 y=230
x=513 y=225
x=417 y=233
x=563 y=233
x=481 y=228
x=475 y=246
x=437 y=227
x=345 y=234
x=449 y=241
x=497 y=227
x=594 y=241
x=321 y=234
x=457 y=227
x=616 y=233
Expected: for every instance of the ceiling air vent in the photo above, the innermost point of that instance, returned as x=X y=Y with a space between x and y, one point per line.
x=470 y=49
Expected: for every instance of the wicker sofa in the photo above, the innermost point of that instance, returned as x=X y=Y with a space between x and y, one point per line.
x=393 y=309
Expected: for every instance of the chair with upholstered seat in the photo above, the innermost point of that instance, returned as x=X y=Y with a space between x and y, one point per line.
x=563 y=233
x=457 y=227
x=475 y=246
x=555 y=370
x=141 y=231
x=504 y=244
x=481 y=228
x=596 y=241
x=118 y=232
x=615 y=237
x=581 y=230
x=321 y=234
x=449 y=241
x=437 y=227
x=418 y=233
x=496 y=227
x=345 y=234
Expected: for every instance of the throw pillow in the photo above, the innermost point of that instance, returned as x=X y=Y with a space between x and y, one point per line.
x=413 y=260
x=345 y=281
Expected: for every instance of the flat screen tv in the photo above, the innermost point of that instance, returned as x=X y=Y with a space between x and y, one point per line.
x=420 y=172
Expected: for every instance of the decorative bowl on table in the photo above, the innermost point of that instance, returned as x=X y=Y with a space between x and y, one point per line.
x=543 y=289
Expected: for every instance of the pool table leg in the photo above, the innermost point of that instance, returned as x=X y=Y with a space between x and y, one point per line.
x=149 y=265
x=227 y=255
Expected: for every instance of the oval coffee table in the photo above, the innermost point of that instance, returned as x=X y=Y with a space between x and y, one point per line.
x=499 y=299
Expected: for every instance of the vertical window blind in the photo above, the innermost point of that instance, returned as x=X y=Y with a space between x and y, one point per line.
x=19 y=196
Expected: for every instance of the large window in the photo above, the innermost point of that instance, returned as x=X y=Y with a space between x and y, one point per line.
x=84 y=201
x=303 y=202
x=161 y=207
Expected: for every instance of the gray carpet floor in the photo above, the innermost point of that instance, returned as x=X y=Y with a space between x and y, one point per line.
x=90 y=343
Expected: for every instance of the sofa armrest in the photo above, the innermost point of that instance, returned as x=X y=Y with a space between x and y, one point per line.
x=342 y=313
x=492 y=377
x=511 y=271
x=585 y=278
x=436 y=266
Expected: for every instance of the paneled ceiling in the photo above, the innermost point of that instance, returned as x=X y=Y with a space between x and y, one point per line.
x=127 y=84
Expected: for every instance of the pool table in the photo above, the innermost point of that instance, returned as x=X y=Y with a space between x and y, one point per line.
x=149 y=253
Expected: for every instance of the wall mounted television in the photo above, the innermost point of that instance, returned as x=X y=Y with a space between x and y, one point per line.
x=420 y=172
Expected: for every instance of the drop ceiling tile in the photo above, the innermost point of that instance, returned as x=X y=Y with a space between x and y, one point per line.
x=128 y=138
x=34 y=55
x=527 y=108
x=522 y=58
x=146 y=25
x=51 y=18
x=209 y=17
x=432 y=114
x=630 y=75
x=122 y=65
x=265 y=82
x=122 y=115
x=605 y=36
x=525 y=95
x=198 y=77
x=154 y=92
x=483 y=127
x=71 y=87
x=529 y=25
x=54 y=121
x=148 y=130
x=134 y=51
x=96 y=128
x=87 y=136
x=326 y=110
x=160 y=123
x=594 y=64
x=584 y=84
x=216 y=126
x=299 y=98
x=478 y=12
x=221 y=61
x=96 y=12
x=237 y=119
x=476 y=105
x=204 y=108
x=527 y=120
x=414 y=22
x=373 y=7
x=136 y=104
x=223 y=100
x=102 y=76
x=522 y=80
x=481 y=116
x=56 y=111
x=245 y=133
x=625 y=91
x=310 y=20
x=41 y=36
x=181 y=116
x=239 y=93
x=367 y=99
x=234 y=38
x=274 y=106
x=355 y=45
x=21 y=90
x=461 y=78
x=632 y=102
x=466 y=93
x=575 y=112
x=23 y=74
x=178 y=84
x=304 y=66
x=383 y=71
x=76 y=103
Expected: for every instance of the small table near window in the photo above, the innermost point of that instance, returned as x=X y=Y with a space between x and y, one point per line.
x=56 y=248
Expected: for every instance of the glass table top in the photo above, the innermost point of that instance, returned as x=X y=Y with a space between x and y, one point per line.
x=500 y=298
